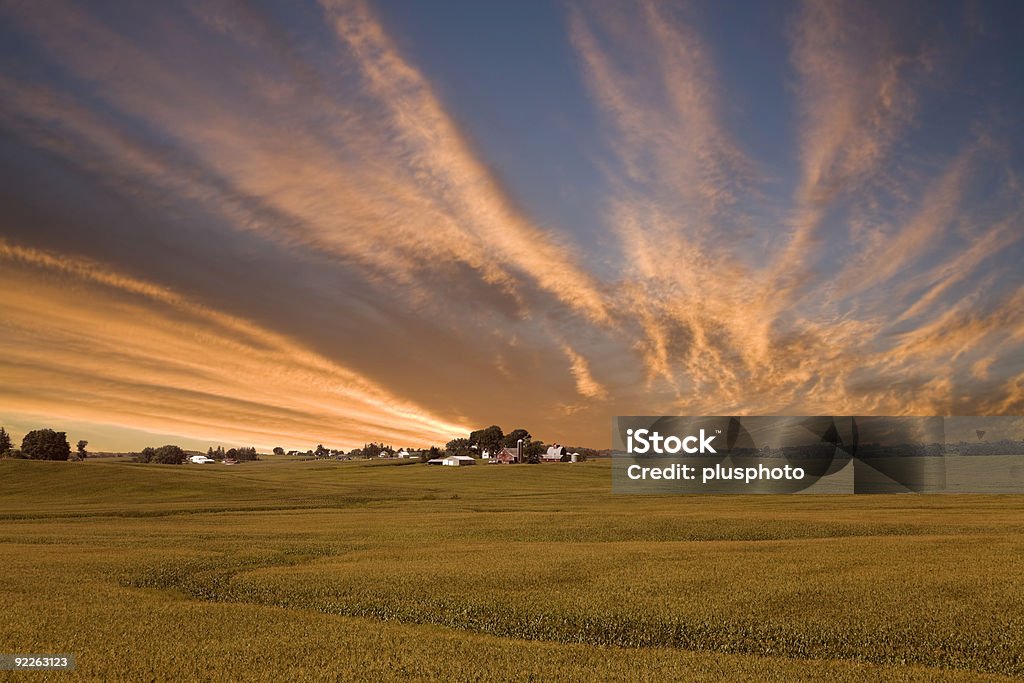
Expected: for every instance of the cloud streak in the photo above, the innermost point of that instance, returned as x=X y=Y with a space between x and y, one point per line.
x=116 y=349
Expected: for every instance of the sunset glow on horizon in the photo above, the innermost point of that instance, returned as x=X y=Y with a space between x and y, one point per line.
x=343 y=222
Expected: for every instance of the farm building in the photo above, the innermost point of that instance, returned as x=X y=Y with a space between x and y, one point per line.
x=554 y=453
x=453 y=461
x=506 y=455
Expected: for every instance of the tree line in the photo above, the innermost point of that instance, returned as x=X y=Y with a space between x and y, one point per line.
x=488 y=440
x=492 y=439
x=48 y=444
x=42 y=444
x=239 y=454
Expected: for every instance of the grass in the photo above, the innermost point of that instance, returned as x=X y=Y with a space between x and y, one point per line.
x=310 y=570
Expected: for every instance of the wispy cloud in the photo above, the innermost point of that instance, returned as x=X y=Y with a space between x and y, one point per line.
x=675 y=201
x=115 y=349
x=586 y=385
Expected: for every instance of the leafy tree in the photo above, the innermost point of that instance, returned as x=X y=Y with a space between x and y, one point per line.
x=487 y=439
x=278 y=450
x=165 y=455
x=168 y=455
x=459 y=447
x=5 y=442
x=512 y=438
x=82 y=443
x=321 y=452
x=246 y=454
x=533 y=451
x=372 y=450
x=46 y=444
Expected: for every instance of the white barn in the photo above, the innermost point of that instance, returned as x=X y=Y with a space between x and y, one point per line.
x=554 y=453
x=458 y=460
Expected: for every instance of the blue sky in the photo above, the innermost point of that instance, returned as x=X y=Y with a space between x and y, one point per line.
x=294 y=223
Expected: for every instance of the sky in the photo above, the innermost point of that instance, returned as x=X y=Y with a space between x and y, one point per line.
x=289 y=223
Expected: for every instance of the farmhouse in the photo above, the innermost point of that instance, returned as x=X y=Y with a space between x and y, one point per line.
x=201 y=460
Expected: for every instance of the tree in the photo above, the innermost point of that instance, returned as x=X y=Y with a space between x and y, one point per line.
x=533 y=451
x=165 y=455
x=321 y=452
x=82 y=443
x=513 y=437
x=5 y=442
x=459 y=447
x=488 y=439
x=243 y=454
x=168 y=455
x=46 y=444
x=430 y=454
x=278 y=450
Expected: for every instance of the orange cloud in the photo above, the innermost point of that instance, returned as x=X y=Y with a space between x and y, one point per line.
x=83 y=342
x=586 y=385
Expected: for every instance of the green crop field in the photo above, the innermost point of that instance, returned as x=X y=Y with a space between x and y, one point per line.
x=291 y=570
